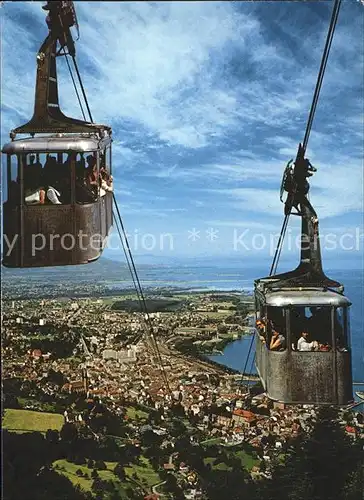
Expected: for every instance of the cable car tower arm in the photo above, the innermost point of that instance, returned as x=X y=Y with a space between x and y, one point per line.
x=295 y=179
x=47 y=115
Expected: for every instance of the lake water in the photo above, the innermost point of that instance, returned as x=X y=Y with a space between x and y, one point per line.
x=230 y=278
x=235 y=354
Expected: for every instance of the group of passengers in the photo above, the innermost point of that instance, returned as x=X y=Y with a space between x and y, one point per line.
x=304 y=342
x=52 y=184
x=42 y=185
x=89 y=182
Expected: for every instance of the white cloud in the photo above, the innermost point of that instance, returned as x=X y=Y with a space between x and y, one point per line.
x=336 y=190
x=154 y=60
x=122 y=192
x=245 y=224
x=161 y=66
x=206 y=107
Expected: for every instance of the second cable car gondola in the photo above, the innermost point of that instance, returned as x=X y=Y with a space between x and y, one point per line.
x=303 y=352
x=303 y=335
x=59 y=185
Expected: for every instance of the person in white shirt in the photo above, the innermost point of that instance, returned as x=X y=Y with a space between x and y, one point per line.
x=304 y=345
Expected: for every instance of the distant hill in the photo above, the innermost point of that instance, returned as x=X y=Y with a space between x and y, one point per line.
x=153 y=305
x=100 y=269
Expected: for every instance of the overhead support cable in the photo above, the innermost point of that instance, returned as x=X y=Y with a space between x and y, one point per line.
x=325 y=56
x=278 y=251
x=71 y=52
x=126 y=257
x=142 y=308
x=140 y=294
x=74 y=84
x=82 y=88
x=250 y=372
x=121 y=231
x=247 y=360
x=329 y=38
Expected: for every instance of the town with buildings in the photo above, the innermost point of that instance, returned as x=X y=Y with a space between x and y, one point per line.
x=91 y=368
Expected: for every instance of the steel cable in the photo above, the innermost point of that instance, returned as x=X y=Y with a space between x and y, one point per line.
x=142 y=298
x=74 y=84
x=325 y=56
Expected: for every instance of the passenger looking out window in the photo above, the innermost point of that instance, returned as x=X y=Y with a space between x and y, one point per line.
x=261 y=327
x=260 y=324
x=106 y=182
x=278 y=341
x=91 y=175
x=304 y=345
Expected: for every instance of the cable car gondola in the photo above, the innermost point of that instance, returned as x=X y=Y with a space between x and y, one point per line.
x=59 y=186
x=302 y=335
x=51 y=217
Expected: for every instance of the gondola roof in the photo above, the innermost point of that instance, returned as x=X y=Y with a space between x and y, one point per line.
x=284 y=298
x=55 y=143
x=304 y=276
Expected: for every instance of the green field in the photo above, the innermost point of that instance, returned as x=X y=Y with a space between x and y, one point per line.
x=247 y=457
x=218 y=466
x=28 y=421
x=68 y=469
x=217 y=315
x=109 y=300
x=35 y=405
x=211 y=441
x=134 y=413
x=247 y=461
x=224 y=304
x=145 y=472
x=146 y=477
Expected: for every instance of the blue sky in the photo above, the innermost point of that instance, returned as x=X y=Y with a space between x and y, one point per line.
x=208 y=102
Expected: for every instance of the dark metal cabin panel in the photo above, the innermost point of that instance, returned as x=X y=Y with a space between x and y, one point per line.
x=11 y=236
x=103 y=218
x=312 y=377
x=344 y=377
x=278 y=375
x=47 y=235
x=87 y=230
x=39 y=242
x=261 y=359
x=56 y=235
x=106 y=214
x=109 y=217
x=305 y=377
x=50 y=235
